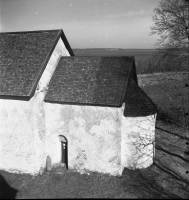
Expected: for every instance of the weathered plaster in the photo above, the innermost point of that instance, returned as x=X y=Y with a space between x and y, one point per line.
x=138 y=141
x=22 y=130
x=93 y=134
x=99 y=138
x=17 y=142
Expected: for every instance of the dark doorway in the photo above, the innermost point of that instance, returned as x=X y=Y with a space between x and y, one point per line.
x=64 y=150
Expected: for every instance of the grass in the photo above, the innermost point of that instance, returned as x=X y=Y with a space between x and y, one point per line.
x=170 y=96
x=132 y=184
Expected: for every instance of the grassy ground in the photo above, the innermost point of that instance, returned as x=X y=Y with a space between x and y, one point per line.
x=169 y=94
x=132 y=184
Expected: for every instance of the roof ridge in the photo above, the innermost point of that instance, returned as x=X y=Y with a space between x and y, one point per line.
x=34 y=31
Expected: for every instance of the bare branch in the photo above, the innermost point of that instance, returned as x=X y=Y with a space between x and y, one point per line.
x=171 y=23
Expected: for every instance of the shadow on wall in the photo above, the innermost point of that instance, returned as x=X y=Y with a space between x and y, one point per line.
x=6 y=192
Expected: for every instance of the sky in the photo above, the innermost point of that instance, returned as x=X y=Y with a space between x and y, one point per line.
x=86 y=23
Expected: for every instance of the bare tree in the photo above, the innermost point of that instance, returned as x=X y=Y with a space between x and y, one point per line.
x=171 y=23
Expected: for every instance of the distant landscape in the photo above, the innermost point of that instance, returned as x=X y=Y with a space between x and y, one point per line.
x=144 y=58
x=139 y=54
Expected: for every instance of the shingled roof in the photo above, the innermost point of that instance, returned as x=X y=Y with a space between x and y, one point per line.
x=90 y=80
x=137 y=103
x=23 y=57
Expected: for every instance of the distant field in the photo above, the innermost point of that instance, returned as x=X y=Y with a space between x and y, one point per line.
x=139 y=54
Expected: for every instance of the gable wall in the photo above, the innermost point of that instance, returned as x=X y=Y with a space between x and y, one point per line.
x=93 y=134
x=22 y=128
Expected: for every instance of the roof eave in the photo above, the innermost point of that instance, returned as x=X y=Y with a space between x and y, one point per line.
x=32 y=91
x=66 y=43
x=82 y=104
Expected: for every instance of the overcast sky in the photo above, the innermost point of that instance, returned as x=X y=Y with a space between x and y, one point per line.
x=86 y=23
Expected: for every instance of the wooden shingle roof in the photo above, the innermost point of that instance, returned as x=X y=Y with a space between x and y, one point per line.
x=23 y=57
x=90 y=80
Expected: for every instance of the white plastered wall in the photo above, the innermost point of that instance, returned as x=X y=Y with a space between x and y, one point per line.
x=137 y=141
x=99 y=138
x=22 y=129
x=93 y=134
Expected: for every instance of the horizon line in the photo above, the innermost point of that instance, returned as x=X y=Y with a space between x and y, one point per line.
x=120 y=48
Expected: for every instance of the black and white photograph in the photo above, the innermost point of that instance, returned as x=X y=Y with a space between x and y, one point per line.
x=94 y=99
